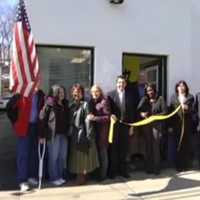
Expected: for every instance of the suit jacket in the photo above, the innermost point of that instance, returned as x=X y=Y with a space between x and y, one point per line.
x=130 y=111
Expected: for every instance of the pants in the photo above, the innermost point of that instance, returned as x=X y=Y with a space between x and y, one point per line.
x=152 y=138
x=57 y=155
x=27 y=155
x=118 y=150
x=171 y=150
x=103 y=159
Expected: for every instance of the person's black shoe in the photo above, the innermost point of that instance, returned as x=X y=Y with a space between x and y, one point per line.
x=101 y=179
x=125 y=175
x=111 y=176
x=149 y=171
x=157 y=172
x=179 y=169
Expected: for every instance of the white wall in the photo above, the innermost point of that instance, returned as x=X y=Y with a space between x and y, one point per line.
x=154 y=27
x=195 y=45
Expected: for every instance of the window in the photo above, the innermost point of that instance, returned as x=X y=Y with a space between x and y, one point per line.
x=65 y=66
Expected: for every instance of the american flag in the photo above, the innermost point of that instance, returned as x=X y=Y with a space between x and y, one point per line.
x=24 y=66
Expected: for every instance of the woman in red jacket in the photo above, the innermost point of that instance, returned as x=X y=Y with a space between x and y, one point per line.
x=24 y=115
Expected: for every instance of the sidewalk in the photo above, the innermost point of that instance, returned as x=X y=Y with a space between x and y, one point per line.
x=167 y=186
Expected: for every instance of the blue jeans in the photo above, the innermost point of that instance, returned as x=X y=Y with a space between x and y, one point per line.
x=33 y=151
x=27 y=155
x=57 y=155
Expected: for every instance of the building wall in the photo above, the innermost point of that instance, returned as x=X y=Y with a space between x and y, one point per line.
x=152 y=27
x=195 y=44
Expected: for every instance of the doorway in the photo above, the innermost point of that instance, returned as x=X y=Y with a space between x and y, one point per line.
x=144 y=68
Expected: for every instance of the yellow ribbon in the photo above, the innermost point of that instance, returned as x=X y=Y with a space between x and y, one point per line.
x=182 y=131
x=141 y=122
x=111 y=130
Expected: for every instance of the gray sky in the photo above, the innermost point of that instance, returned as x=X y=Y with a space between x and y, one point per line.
x=6 y=3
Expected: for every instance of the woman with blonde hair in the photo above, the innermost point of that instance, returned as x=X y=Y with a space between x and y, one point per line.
x=99 y=109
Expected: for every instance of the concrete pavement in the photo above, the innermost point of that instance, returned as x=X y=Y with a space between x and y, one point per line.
x=167 y=186
x=170 y=185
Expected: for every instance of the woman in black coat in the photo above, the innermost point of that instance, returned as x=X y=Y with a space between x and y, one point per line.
x=152 y=104
x=181 y=124
x=83 y=157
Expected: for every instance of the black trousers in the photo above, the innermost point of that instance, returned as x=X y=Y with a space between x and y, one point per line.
x=118 y=150
x=152 y=143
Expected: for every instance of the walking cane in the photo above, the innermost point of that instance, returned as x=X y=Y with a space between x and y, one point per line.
x=41 y=159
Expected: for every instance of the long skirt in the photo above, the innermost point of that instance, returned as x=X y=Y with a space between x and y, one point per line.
x=83 y=162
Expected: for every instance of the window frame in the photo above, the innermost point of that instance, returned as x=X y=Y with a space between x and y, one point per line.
x=90 y=48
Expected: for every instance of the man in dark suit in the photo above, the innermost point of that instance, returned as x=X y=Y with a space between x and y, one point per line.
x=123 y=107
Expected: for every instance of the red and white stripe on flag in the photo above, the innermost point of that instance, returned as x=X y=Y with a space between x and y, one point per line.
x=24 y=71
